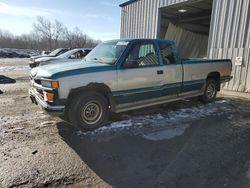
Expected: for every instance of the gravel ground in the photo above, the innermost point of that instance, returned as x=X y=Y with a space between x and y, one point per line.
x=177 y=145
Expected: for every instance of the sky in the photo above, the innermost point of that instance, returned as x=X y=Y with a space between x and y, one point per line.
x=100 y=19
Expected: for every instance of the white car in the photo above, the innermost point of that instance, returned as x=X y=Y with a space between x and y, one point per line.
x=54 y=53
x=72 y=55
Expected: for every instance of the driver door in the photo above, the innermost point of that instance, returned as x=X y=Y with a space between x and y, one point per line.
x=141 y=75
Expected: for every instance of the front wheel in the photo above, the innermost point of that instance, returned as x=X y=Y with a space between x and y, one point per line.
x=88 y=111
x=210 y=92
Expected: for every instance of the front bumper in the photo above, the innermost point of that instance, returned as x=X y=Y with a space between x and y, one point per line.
x=37 y=99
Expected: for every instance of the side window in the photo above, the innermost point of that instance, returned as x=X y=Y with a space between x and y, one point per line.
x=143 y=55
x=77 y=55
x=167 y=54
x=62 y=51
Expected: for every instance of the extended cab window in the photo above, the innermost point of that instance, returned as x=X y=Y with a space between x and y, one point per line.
x=167 y=53
x=143 y=55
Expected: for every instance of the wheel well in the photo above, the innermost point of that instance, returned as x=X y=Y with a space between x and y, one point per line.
x=216 y=77
x=94 y=87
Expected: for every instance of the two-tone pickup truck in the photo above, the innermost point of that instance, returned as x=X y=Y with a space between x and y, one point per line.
x=123 y=75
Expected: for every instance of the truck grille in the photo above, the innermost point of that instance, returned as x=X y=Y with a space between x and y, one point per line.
x=37 y=81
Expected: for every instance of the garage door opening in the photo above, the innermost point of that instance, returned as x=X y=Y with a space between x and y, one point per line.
x=188 y=24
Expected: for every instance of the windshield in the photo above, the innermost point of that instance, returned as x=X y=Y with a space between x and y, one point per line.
x=68 y=53
x=107 y=53
x=55 y=52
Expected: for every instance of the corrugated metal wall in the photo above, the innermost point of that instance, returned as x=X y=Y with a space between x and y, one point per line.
x=140 y=19
x=229 y=32
x=230 y=37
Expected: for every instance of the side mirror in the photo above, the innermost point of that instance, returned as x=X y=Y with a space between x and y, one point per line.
x=130 y=64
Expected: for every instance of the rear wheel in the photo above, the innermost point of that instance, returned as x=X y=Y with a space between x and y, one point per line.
x=210 y=91
x=88 y=111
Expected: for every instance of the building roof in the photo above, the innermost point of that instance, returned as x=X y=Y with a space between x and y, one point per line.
x=127 y=3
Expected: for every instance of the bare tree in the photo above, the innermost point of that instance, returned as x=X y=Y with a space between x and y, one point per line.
x=6 y=38
x=68 y=37
x=58 y=31
x=79 y=37
x=75 y=38
x=47 y=35
x=43 y=27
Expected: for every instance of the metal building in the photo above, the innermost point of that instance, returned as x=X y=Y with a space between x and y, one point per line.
x=222 y=27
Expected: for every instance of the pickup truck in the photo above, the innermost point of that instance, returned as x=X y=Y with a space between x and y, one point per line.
x=122 y=75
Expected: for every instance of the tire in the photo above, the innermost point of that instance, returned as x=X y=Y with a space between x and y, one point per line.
x=88 y=111
x=210 y=92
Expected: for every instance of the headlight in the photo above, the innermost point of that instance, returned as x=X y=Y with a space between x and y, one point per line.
x=46 y=83
x=50 y=83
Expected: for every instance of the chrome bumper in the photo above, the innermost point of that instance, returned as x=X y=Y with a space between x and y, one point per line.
x=36 y=98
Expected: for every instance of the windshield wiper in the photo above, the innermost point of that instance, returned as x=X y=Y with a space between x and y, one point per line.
x=96 y=59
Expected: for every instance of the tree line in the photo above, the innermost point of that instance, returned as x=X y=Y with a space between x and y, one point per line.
x=47 y=35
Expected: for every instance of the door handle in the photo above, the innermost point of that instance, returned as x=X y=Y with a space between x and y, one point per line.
x=160 y=72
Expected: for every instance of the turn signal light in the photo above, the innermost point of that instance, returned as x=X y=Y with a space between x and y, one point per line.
x=55 y=84
x=49 y=96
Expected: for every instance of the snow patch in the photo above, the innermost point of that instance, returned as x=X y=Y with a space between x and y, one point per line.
x=46 y=124
x=159 y=116
x=14 y=68
x=248 y=173
x=116 y=125
x=177 y=121
x=166 y=134
x=5 y=120
x=221 y=101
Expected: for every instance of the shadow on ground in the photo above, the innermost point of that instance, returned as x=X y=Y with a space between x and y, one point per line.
x=210 y=154
x=6 y=80
x=123 y=161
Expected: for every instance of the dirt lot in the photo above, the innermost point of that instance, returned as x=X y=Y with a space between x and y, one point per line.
x=178 y=145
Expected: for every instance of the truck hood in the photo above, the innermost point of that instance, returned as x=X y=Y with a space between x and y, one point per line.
x=40 y=56
x=59 y=70
x=43 y=59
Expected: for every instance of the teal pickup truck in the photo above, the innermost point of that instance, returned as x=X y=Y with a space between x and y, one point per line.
x=123 y=75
